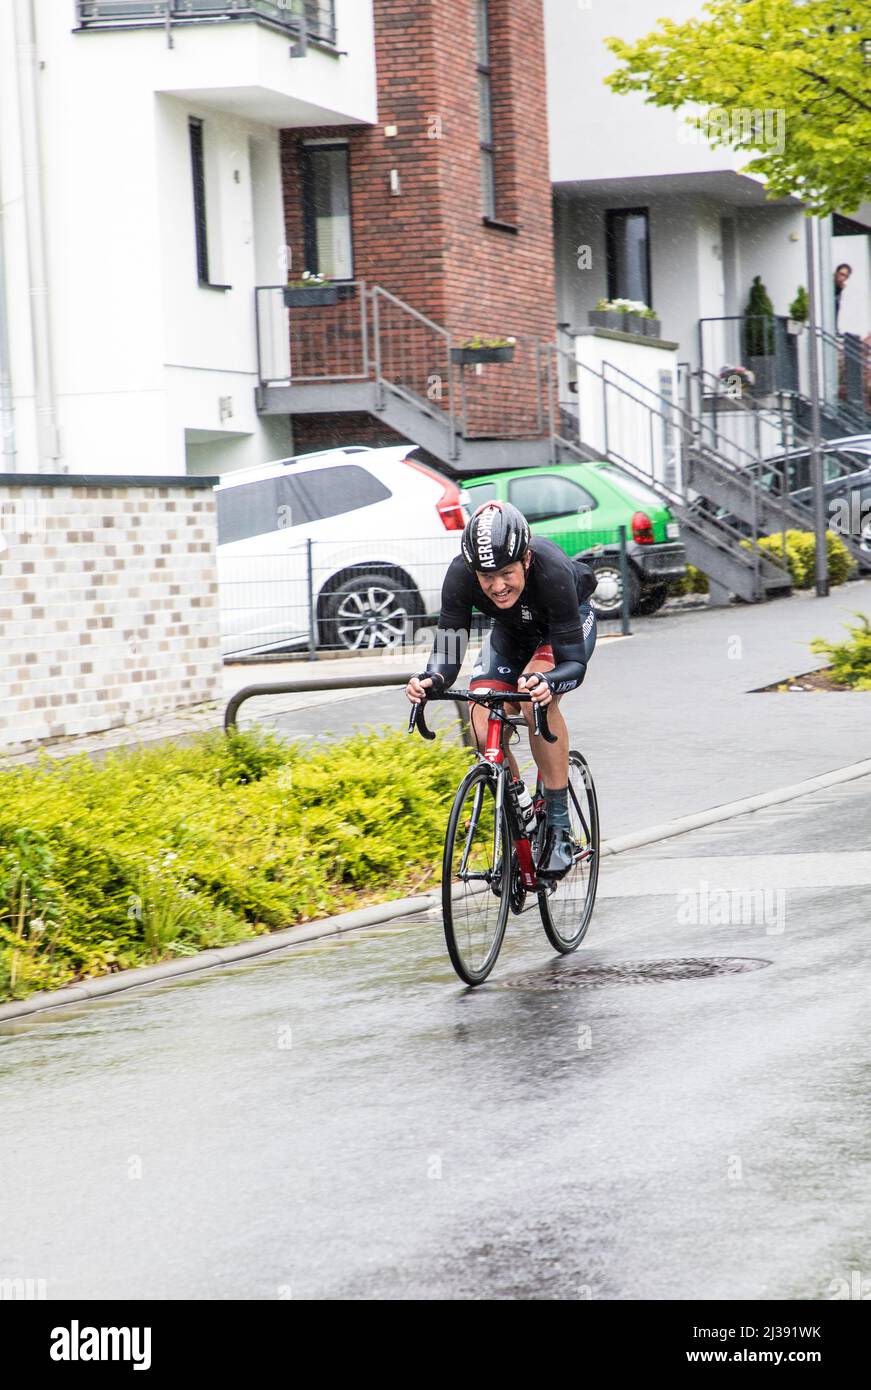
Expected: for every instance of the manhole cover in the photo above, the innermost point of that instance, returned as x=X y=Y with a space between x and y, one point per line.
x=633 y=972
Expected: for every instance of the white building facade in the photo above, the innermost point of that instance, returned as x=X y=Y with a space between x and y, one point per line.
x=141 y=196
x=645 y=208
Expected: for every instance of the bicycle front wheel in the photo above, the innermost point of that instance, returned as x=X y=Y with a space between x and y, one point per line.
x=567 y=905
x=476 y=877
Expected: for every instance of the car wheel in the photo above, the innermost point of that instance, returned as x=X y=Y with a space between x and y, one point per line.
x=607 y=601
x=368 y=612
x=651 y=599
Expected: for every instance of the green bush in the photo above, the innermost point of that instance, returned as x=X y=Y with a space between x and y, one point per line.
x=801 y=550
x=693 y=581
x=851 y=659
x=758 y=322
x=165 y=851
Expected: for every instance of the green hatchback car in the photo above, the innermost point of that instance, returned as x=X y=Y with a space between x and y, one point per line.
x=579 y=506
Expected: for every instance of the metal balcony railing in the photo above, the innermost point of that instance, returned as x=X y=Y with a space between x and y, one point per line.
x=319 y=15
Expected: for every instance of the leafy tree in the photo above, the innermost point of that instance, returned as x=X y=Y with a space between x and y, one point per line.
x=806 y=60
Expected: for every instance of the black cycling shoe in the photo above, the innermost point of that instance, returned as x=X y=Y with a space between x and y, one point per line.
x=557 y=857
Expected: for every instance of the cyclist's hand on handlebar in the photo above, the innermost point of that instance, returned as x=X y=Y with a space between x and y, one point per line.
x=417 y=689
x=535 y=685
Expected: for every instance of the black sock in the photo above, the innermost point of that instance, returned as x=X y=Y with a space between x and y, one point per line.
x=556 y=805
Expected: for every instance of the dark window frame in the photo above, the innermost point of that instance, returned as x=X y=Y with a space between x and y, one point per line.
x=307 y=177
x=198 y=174
x=201 y=219
x=612 y=216
x=487 y=148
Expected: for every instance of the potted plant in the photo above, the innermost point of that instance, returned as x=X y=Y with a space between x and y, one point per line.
x=626 y=315
x=798 y=312
x=759 y=336
x=605 y=315
x=310 y=290
x=632 y=311
x=481 y=349
x=734 y=381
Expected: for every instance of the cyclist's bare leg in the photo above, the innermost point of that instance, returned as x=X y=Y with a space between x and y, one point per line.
x=479 y=716
x=552 y=759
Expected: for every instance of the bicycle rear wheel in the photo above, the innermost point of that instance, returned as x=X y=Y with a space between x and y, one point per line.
x=567 y=905
x=476 y=877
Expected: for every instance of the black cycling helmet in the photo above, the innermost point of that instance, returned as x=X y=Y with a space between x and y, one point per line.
x=496 y=535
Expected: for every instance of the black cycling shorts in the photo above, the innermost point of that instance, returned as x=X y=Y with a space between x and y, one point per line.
x=504 y=657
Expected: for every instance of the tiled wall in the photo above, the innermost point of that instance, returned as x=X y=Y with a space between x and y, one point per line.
x=108 y=604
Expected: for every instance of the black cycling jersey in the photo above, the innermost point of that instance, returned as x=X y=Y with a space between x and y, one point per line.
x=546 y=611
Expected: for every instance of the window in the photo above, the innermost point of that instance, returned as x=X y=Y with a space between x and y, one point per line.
x=198 y=169
x=635 y=489
x=627 y=248
x=479 y=494
x=326 y=184
x=274 y=504
x=485 y=111
x=544 y=495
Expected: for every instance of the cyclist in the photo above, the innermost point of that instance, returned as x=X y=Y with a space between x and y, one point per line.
x=542 y=640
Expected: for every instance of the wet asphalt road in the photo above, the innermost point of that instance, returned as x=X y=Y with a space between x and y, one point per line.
x=344 y=1120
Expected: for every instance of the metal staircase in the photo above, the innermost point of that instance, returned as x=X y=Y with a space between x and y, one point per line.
x=727 y=476
x=368 y=351
x=373 y=353
x=654 y=440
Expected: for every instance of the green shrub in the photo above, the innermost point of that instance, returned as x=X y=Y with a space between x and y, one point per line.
x=758 y=322
x=165 y=851
x=694 y=581
x=851 y=659
x=801 y=550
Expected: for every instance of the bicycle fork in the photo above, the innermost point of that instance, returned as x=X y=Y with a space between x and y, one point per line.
x=495 y=756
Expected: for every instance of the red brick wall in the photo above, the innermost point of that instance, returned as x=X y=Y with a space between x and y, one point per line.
x=429 y=245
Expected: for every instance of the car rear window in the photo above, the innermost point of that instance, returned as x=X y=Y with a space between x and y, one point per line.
x=627 y=483
x=478 y=493
x=273 y=504
x=543 y=495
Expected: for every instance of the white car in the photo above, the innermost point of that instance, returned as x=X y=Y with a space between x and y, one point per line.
x=343 y=548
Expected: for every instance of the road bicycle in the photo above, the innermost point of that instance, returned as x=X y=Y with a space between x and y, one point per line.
x=489 y=860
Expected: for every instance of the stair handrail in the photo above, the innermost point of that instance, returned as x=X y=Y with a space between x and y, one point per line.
x=446 y=417
x=714 y=529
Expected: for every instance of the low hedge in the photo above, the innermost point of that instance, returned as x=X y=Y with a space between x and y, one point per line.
x=163 y=852
x=801 y=550
x=851 y=659
x=800 y=558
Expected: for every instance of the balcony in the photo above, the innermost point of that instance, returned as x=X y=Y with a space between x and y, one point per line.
x=317 y=17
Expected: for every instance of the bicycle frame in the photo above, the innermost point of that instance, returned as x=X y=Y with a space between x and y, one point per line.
x=494 y=755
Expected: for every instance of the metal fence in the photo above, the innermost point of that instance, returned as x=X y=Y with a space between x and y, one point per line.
x=364 y=596
x=319 y=15
x=295 y=345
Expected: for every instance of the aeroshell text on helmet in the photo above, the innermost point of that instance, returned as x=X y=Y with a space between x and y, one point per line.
x=484 y=540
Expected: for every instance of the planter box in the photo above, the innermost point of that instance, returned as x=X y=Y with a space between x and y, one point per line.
x=634 y=323
x=763 y=370
x=652 y=328
x=306 y=299
x=466 y=357
x=605 y=318
x=794 y=327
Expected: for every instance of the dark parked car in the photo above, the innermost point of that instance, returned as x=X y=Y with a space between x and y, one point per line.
x=846 y=485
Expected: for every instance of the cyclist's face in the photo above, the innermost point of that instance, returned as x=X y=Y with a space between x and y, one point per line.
x=504 y=586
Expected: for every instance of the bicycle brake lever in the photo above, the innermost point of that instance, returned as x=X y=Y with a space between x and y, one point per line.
x=542 y=727
x=417 y=721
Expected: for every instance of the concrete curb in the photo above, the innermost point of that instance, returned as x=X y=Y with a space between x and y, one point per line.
x=402 y=907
